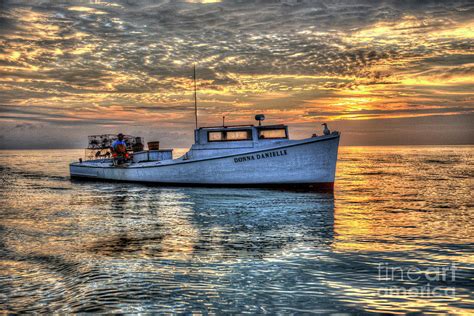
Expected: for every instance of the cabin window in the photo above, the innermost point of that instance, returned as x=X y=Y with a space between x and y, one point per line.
x=272 y=133
x=238 y=135
x=215 y=136
x=229 y=136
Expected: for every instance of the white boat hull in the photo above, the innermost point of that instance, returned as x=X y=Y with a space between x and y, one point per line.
x=306 y=162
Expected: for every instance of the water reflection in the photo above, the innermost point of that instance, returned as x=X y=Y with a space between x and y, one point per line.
x=205 y=224
x=95 y=247
x=404 y=198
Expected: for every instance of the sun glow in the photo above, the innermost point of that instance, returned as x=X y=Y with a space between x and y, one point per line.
x=77 y=56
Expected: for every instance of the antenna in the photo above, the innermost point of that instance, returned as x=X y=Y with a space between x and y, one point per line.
x=195 y=97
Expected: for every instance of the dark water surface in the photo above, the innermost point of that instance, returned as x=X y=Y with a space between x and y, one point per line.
x=91 y=247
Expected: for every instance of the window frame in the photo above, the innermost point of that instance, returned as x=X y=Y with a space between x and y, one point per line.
x=224 y=136
x=215 y=141
x=259 y=130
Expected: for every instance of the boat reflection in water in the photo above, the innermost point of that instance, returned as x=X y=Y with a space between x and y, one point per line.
x=210 y=225
x=195 y=249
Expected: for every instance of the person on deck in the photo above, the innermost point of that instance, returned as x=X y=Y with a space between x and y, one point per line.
x=119 y=150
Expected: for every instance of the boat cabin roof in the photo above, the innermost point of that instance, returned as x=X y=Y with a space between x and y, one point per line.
x=228 y=127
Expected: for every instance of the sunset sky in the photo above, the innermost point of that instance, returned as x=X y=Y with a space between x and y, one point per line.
x=381 y=72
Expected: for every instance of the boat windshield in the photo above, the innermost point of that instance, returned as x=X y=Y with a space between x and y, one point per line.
x=235 y=135
x=272 y=133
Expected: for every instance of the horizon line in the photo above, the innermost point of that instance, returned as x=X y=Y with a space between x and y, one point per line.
x=397 y=145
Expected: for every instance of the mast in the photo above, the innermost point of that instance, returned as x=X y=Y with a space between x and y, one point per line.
x=195 y=97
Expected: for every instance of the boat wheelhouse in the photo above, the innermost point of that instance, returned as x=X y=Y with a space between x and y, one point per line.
x=213 y=140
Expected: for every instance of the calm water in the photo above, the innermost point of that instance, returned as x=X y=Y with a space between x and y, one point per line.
x=88 y=246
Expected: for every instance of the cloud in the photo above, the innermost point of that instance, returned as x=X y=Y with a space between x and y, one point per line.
x=120 y=62
x=25 y=126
